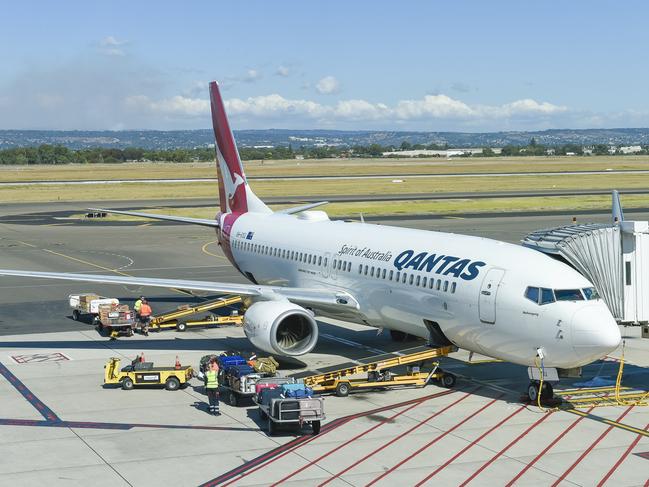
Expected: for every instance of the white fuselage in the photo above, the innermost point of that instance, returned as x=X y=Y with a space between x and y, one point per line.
x=473 y=288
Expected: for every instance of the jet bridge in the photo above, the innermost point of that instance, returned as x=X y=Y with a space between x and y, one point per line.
x=614 y=257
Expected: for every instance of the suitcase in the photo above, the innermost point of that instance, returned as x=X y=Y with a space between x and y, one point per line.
x=292 y=387
x=227 y=361
x=239 y=370
x=300 y=393
x=264 y=385
x=266 y=395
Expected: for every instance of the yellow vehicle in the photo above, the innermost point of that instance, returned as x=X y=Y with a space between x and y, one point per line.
x=173 y=320
x=144 y=373
x=378 y=374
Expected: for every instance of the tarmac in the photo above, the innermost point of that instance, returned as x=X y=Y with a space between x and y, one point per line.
x=59 y=426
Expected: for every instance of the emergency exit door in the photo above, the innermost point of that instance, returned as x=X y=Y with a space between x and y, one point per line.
x=488 y=294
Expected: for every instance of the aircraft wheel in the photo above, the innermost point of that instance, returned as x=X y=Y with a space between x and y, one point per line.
x=547 y=392
x=533 y=391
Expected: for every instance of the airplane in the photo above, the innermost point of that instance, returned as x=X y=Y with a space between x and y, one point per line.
x=486 y=296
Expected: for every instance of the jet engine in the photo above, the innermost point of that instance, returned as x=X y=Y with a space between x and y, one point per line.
x=280 y=327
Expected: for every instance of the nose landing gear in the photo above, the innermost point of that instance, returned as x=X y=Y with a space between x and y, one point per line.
x=547 y=392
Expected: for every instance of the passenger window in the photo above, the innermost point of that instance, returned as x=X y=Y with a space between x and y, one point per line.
x=372 y=272
x=431 y=283
x=383 y=274
x=439 y=284
x=453 y=286
x=547 y=296
x=532 y=293
x=320 y=260
x=445 y=286
x=340 y=264
x=391 y=274
x=325 y=262
x=309 y=259
x=404 y=277
x=423 y=282
x=334 y=263
x=418 y=281
x=360 y=268
x=365 y=270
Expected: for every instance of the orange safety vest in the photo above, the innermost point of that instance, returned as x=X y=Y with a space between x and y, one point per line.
x=145 y=310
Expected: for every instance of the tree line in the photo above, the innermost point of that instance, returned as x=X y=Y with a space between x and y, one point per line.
x=57 y=154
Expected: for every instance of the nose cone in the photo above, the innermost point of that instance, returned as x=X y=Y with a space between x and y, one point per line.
x=594 y=332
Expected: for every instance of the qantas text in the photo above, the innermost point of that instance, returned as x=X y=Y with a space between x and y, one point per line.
x=446 y=265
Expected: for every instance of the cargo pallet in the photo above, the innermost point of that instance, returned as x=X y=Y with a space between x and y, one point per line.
x=172 y=319
x=378 y=376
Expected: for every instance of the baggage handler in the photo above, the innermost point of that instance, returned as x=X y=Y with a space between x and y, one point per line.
x=137 y=306
x=212 y=387
x=145 y=316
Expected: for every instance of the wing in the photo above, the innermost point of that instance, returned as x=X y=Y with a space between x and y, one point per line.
x=297 y=209
x=314 y=297
x=195 y=221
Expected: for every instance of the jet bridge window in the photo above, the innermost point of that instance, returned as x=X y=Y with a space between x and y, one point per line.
x=568 y=295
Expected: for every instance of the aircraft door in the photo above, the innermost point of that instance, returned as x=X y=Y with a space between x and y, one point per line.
x=488 y=294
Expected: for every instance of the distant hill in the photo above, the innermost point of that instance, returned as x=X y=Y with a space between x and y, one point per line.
x=173 y=139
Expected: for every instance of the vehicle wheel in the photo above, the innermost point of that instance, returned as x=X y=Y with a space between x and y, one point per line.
x=342 y=389
x=181 y=326
x=127 y=383
x=533 y=391
x=316 y=427
x=547 y=392
x=232 y=399
x=272 y=429
x=172 y=384
x=75 y=314
x=262 y=414
x=130 y=332
x=448 y=380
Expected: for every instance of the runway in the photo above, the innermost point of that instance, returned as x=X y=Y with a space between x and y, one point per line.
x=58 y=425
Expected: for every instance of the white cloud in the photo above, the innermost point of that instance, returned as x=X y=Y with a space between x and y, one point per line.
x=430 y=108
x=283 y=71
x=112 y=47
x=251 y=76
x=180 y=106
x=328 y=85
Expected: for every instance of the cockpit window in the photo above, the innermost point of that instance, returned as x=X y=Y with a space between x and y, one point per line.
x=590 y=293
x=547 y=296
x=568 y=295
x=532 y=293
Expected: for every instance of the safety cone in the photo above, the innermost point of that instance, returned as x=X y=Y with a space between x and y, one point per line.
x=177 y=363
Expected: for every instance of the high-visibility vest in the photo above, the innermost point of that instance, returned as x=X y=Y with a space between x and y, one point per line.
x=145 y=310
x=137 y=306
x=212 y=379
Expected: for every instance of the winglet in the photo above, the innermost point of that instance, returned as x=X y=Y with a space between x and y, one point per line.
x=618 y=213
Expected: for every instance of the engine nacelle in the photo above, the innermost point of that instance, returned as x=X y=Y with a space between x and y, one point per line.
x=280 y=327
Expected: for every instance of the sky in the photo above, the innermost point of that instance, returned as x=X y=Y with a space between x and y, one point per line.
x=470 y=66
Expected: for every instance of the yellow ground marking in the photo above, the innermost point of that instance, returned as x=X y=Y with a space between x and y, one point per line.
x=454 y=218
x=205 y=251
x=145 y=224
x=595 y=390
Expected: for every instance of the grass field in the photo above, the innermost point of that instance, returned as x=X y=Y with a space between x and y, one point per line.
x=323 y=167
x=325 y=188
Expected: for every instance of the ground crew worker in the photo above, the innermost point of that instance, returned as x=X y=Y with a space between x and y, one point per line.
x=145 y=316
x=212 y=387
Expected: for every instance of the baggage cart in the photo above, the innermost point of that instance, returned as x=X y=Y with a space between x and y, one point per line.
x=280 y=411
x=84 y=305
